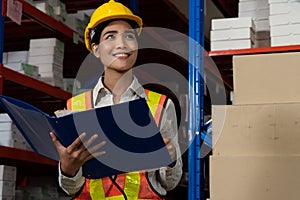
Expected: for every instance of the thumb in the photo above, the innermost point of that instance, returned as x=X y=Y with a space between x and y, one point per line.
x=55 y=141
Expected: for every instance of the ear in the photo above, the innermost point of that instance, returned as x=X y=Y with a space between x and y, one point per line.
x=95 y=50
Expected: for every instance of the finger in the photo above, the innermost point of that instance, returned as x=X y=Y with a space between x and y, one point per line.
x=90 y=140
x=166 y=140
x=78 y=142
x=94 y=155
x=96 y=147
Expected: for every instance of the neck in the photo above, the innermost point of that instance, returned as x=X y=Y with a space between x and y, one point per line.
x=116 y=82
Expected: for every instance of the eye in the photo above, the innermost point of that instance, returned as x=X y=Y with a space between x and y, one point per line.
x=130 y=36
x=110 y=37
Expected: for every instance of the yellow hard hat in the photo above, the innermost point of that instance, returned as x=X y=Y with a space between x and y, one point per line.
x=108 y=11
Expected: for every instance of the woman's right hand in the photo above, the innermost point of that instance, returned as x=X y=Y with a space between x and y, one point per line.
x=75 y=155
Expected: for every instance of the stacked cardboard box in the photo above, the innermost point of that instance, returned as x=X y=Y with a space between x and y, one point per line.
x=14 y=59
x=10 y=135
x=42 y=187
x=276 y=22
x=232 y=33
x=18 y=61
x=259 y=11
x=284 y=22
x=48 y=55
x=78 y=21
x=256 y=152
x=7 y=182
x=53 y=8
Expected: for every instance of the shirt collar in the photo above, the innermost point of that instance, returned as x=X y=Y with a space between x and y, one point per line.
x=135 y=87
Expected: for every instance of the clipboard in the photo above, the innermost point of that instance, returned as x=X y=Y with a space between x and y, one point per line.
x=133 y=140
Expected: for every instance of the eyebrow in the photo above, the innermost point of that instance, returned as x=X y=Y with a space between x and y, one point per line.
x=114 y=32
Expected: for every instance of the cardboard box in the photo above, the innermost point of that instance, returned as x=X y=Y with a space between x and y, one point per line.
x=8 y=173
x=6 y=126
x=231 y=44
x=284 y=8
x=262 y=35
x=42 y=51
x=267 y=129
x=231 y=34
x=4 y=117
x=36 y=60
x=232 y=23
x=282 y=1
x=14 y=66
x=11 y=135
x=17 y=56
x=4 y=58
x=262 y=43
x=46 y=42
x=285 y=40
x=284 y=19
x=258 y=14
x=254 y=177
x=7 y=188
x=245 y=6
x=262 y=25
x=285 y=30
x=8 y=198
x=266 y=78
x=13 y=143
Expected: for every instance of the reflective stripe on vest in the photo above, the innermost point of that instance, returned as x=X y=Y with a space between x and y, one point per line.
x=131 y=187
x=94 y=189
x=81 y=101
x=155 y=102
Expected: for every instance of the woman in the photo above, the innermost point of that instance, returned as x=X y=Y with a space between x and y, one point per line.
x=111 y=36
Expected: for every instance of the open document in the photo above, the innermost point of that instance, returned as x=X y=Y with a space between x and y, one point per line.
x=133 y=140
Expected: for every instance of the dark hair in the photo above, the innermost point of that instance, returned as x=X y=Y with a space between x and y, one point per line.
x=96 y=32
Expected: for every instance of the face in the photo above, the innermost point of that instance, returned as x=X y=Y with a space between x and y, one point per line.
x=118 y=46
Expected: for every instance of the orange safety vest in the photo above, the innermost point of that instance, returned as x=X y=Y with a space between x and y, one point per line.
x=134 y=184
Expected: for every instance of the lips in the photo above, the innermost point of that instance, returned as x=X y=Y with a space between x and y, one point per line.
x=121 y=55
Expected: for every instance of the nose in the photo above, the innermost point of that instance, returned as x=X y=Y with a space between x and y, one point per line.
x=121 y=42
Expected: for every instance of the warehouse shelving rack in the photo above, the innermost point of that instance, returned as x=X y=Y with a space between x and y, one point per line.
x=223 y=60
x=38 y=93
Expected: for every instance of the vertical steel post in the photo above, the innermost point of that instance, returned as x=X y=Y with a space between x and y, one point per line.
x=1 y=42
x=196 y=95
x=1 y=32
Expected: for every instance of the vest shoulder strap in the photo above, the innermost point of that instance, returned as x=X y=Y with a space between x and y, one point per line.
x=156 y=103
x=81 y=101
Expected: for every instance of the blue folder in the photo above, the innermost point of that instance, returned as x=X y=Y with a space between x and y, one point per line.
x=133 y=140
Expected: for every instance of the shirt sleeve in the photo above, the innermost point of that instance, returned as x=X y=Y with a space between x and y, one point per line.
x=169 y=177
x=71 y=185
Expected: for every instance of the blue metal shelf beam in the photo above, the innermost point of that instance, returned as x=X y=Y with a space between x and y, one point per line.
x=196 y=94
